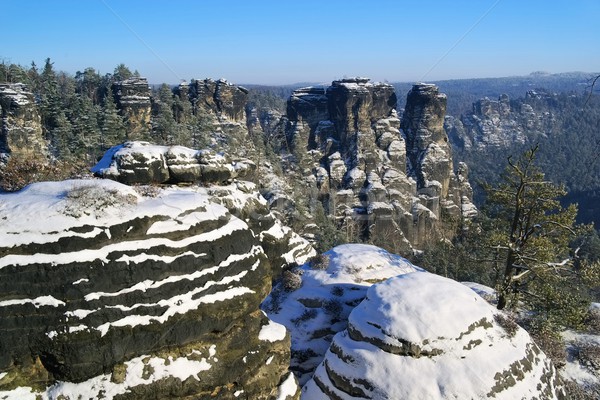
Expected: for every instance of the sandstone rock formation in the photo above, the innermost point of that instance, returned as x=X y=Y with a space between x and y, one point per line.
x=144 y=163
x=420 y=335
x=133 y=98
x=21 y=126
x=313 y=302
x=389 y=184
x=498 y=124
x=142 y=292
x=221 y=97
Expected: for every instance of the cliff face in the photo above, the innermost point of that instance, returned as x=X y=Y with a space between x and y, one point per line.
x=349 y=136
x=144 y=293
x=220 y=97
x=21 y=128
x=500 y=123
x=133 y=98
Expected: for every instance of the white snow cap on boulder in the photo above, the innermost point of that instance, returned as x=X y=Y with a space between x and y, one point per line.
x=328 y=289
x=422 y=336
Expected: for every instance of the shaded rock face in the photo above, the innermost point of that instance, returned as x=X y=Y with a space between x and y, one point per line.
x=221 y=97
x=499 y=124
x=151 y=293
x=133 y=98
x=420 y=335
x=21 y=127
x=385 y=183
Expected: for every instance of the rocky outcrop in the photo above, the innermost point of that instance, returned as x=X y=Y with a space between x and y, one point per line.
x=349 y=138
x=145 y=163
x=313 y=301
x=145 y=292
x=21 y=126
x=133 y=98
x=499 y=124
x=221 y=97
x=420 y=335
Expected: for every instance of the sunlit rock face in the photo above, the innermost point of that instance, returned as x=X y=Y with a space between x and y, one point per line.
x=133 y=98
x=221 y=97
x=21 y=124
x=388 y=179
x=420 y=335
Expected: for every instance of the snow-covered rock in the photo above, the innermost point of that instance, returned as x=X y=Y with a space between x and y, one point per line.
x=422 y=336
x=314 y=301
x=353 y=132
x=146 y=163
x=154 y=292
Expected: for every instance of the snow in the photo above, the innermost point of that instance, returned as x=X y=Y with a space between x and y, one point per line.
x=82 y=280
x=288 y=388
x=129 y=246
x=449 y=311
x=143 y=257
x=573 y=369
x=182 y=303
x=488 y=293
x=334 y=287
x=272 y=332
x=81 y=314
x=20 y=211
x=468 y=349
x=181 y=368
x=38 y=302
x=20 y=393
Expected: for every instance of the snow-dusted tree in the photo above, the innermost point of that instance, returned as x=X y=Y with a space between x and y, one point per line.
x=530 y=234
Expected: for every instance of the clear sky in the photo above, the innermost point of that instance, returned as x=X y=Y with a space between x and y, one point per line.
x=278 y=42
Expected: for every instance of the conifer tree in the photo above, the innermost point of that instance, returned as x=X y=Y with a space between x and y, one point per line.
x=112 y=126
x=163 y=124
x=530 y=236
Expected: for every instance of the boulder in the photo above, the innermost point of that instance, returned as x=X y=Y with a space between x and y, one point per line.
x=422 y=336
x=145 y=163
x=327 y=289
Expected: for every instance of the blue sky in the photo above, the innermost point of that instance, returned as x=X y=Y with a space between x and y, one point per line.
x=277 y=42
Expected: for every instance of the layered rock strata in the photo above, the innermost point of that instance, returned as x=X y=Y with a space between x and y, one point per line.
x=313 y=301
x=390 y=180
x=423 y=336
x=142 y=292
x=221 y=97
x=134 y=100
x=497 y=124
x=21 y=125
x=144 y=163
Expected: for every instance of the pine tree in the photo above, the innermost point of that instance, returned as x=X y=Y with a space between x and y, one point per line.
x=530 y=235
x=112 y=126
x=163 y=124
